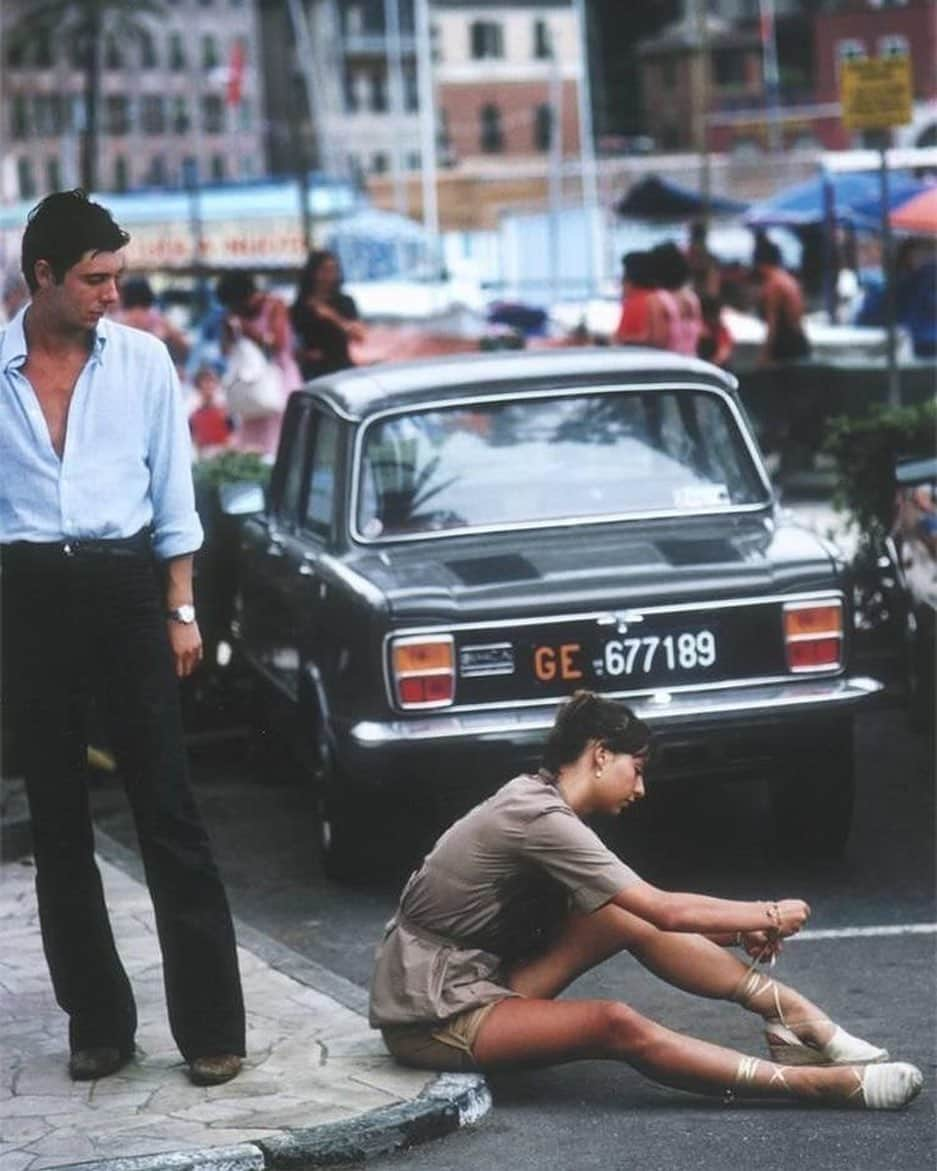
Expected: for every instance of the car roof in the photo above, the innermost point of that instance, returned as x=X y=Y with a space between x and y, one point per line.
x=367 y=390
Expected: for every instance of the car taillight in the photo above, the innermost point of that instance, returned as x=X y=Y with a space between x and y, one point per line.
x=813 y=635
x=423 y=670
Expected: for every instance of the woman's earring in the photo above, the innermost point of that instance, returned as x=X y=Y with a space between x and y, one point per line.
x=598 y=772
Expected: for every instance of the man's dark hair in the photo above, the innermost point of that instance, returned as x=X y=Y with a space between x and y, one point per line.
x=586 y=717
x=235 y=288
x=64 y=226
x=137 y=293
x=669 y=266
x=766 y=252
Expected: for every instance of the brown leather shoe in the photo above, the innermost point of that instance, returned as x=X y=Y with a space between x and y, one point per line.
x=86 y=1065
x=212 y=1071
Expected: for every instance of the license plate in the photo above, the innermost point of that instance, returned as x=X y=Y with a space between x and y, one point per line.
x=634 y=657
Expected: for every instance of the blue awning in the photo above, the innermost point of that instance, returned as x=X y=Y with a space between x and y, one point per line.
x=855 y=197
x=654 y=198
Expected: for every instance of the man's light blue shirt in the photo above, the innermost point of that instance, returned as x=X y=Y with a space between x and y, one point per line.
x=127 y=457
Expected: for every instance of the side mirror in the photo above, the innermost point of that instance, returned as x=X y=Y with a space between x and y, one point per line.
x=241 y=498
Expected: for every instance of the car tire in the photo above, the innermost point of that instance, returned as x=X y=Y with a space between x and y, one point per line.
x=812 y=802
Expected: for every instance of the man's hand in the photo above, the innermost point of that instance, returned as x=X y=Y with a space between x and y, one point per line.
x=185 y=640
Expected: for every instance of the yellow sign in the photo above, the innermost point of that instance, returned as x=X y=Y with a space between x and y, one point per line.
x=875 y=94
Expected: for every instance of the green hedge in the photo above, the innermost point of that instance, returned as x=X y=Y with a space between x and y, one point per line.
x=865 y=450
x=231 y=466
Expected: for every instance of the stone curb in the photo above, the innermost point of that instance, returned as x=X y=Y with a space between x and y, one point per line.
x=452 y=1101
x=446 y=1104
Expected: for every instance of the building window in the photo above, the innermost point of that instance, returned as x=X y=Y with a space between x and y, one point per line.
x=378 y=92
x=48 y=114
x=246 y=115
x=113 y=58
x=894 y=45
x=542 y=41
x=491 y=137
x=217 y=168
x=117 y=114
x=543 y=127
x=53 y=174
x=181 y=122
x=414 y=160
x=121 y=177
x=411 y=91
x=25 y=178
x=19 y=117
x=156 y=172
x=76 y=51
x=176 y=52
x=351 y=91
x=487 y=39
x=148 y=58
x=248 y=169
x=210 y=59
x=212 y=114
x=15 y=54
x=153 y=114
x=728 y=67
x=379 y=163
x=42 y=49
x=435 y=47
x=850 y=50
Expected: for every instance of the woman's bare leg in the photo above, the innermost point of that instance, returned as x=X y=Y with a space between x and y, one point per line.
x=548 y=1032
x=687 y=961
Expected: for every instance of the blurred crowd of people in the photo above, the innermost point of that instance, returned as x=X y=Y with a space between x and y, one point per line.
x=674 y=299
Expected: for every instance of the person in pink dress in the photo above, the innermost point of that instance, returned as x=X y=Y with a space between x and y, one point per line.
x=685 y=319
x=262 y=317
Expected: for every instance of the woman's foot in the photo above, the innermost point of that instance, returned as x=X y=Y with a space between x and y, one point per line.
x=888 y=1086
x=796 y=1031
x=841 y=1048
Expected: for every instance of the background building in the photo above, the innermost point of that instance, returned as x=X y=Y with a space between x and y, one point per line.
x=177 y=96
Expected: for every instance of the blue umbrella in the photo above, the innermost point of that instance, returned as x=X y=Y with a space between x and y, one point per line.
x=851 y=197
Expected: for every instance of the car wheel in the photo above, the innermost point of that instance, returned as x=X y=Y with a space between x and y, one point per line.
x=812 y=802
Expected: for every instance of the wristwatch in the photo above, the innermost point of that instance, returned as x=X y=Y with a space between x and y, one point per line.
x=184 y=614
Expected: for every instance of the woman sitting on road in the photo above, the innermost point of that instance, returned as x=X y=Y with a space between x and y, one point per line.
x=519 y=897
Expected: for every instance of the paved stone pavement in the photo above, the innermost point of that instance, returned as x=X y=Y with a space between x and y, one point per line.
x=311 y=1060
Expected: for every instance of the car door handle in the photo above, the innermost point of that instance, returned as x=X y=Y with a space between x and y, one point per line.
x=307 y=566
x=275 y=547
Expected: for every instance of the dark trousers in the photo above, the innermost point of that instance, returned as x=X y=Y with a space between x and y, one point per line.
x=85 y=622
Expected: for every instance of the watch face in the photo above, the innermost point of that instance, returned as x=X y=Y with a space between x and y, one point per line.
x=183 y=614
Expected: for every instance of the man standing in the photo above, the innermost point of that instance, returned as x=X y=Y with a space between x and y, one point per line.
x=97 y=534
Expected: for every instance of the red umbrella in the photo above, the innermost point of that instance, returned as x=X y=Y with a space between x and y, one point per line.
x=919 y=214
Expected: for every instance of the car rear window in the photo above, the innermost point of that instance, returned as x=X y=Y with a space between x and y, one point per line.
x=543 y=459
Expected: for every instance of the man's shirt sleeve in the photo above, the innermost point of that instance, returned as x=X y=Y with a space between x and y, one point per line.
x=177 y=529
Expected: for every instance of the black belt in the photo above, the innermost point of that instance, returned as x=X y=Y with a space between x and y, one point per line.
x=25 y=552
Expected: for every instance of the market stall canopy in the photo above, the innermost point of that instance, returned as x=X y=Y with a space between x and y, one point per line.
x=654 y=198
x=855 y=197
x=373 y=244
x=918 y=214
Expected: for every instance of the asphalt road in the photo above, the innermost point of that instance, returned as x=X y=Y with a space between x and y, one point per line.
x=603 y=1116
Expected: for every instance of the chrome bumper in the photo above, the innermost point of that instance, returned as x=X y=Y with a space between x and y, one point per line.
x=737 y=704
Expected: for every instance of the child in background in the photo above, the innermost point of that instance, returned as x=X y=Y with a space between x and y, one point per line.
x=210 y=423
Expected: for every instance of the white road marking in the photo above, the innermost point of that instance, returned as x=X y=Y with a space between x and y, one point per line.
x=861 y=932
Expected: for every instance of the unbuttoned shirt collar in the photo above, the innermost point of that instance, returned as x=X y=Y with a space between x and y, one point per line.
x=13 y=349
